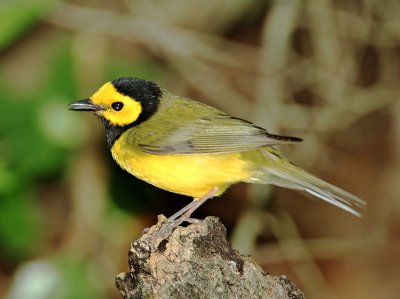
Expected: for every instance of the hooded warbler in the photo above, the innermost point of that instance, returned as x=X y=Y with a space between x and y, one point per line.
x=190 y=148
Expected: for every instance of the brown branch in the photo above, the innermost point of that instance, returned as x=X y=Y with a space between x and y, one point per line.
x=196 y=262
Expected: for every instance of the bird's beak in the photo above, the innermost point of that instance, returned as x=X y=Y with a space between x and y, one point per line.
x=84 y=105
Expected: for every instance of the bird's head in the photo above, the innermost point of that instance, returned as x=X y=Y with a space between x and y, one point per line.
x=122 y=102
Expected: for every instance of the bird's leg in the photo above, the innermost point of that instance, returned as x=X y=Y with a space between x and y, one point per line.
x=184 y=215
x=195 y=204
x=182 y=211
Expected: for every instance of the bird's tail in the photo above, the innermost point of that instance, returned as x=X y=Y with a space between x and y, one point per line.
x=285 y=174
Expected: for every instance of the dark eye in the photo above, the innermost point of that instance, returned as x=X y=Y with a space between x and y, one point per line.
x=117 y=106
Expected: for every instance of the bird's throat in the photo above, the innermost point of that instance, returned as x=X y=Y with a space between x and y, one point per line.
x=113 y=132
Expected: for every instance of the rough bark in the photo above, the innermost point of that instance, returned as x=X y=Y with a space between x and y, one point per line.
x=196 y=262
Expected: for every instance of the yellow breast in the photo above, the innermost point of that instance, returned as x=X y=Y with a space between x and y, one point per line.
x=192 y=175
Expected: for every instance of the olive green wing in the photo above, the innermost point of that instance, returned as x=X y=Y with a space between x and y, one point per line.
x=214 y=134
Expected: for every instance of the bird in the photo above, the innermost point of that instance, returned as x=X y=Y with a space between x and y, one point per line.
x=191 y=148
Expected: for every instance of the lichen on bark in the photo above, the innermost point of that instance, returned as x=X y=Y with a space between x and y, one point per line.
x=196 y=261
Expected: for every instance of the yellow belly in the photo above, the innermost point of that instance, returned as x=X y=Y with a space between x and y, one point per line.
x=191 y=175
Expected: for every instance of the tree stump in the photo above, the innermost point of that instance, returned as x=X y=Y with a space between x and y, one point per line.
x=196 y=261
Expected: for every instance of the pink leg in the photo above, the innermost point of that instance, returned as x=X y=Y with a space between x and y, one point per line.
x=185 y=213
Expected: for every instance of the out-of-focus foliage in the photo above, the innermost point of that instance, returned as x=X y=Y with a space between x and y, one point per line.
x=327 y=71
x=32 y=119
x=17 y=17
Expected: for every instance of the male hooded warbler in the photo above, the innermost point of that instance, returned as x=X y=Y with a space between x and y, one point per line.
x=190 y=148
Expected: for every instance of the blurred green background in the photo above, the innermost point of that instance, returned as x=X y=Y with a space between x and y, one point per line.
x=324 y=70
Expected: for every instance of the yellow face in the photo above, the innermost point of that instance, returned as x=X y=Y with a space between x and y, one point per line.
x=118 y=109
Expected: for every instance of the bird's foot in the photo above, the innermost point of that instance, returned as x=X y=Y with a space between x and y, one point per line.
x=183 y=215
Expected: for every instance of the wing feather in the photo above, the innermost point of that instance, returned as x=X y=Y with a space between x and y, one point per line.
x=215 y=134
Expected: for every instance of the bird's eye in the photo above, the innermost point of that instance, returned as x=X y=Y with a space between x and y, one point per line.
x=117 y=106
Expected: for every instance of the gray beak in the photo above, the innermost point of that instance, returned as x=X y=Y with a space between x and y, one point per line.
x=84 y=105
